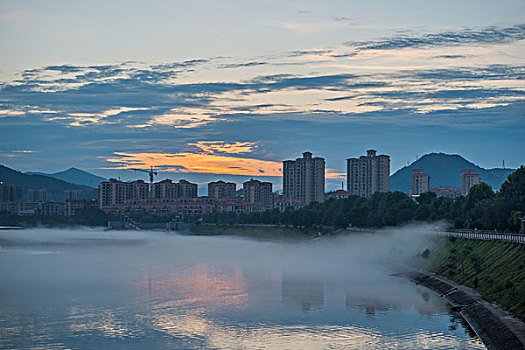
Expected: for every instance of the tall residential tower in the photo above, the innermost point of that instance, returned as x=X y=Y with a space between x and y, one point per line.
x=303 y=178
x=368 y=174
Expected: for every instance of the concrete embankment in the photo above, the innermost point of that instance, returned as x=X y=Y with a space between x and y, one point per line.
x=496 y=328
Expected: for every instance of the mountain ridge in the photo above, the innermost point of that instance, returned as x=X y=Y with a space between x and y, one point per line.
x=75 y=176
x=445 y=170
x=54 y=187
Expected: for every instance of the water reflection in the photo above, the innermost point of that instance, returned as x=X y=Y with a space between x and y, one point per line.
x=146 y=290
x=305 y=294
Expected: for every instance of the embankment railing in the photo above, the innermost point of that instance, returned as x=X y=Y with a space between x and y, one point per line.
x=485 y=235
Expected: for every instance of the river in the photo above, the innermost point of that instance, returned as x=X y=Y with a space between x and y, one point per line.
x=90 y=289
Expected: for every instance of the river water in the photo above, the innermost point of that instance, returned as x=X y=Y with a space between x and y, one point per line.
x=90 y=289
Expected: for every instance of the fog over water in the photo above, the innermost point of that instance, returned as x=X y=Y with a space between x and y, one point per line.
x=88 y=288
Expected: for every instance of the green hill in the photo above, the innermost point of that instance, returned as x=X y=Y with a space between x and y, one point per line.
x=444 y=170
x=54 y=187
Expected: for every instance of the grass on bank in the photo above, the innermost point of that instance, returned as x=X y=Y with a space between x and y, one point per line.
x=496 y=269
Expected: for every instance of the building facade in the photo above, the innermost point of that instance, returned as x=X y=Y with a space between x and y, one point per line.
x=255 y=191
x=304 y=178
x=368 y=174
x=169 y=189
x=447 y=191
x=116 y=192
x=339 y=194
x=220 y=189
x=187 y=189
x=165 y=189
x=420 y=182
x=10 y=193
x=468 y=179
x=36 y=195
x=74 y=195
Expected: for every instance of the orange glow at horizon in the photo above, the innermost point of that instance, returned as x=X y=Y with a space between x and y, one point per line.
x=186 y=162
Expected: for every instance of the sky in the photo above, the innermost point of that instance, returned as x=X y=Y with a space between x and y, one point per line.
x=209 y=90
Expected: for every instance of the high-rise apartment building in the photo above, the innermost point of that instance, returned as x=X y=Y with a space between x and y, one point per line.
x=187 y=189
x=72 y=195
x=220 y=189
x=468 y=179
x=304 y=178
x=169 y=189
x=164 y=189
x=10 y=193
x=420 y=182
x=37 y=195
x=116 y=192
x=368 y=174
x=255 y=191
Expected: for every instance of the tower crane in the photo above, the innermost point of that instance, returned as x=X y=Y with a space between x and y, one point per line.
x=151 y=172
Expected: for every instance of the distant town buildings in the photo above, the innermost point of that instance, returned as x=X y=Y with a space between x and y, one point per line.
x=420 y=182
x=10 y=193
x=71 y=206
x=255 y=191
x=468 y=179
x=37 y=195
x=51 y=208
x=368 y=174
x=10 y=197
x=220 y=189
x=72 y=195
x=304 y=179
x=303 y=183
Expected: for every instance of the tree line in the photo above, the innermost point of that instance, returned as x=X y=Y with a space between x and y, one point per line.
x=482 y=208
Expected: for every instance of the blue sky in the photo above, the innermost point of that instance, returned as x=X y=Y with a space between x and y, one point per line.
x=209 y=90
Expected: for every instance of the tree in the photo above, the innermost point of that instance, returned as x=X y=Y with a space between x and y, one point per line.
x=514 y=189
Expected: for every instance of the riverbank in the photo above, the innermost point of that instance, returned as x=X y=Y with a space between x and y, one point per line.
x=496 y=269
x=497 y=328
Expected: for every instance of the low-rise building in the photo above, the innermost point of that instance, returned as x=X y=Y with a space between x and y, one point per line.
x=339 y=194
x=182 y=206
x=446 y=191
x=285 y=203
x=51 y=208
x=242 y=207
x=71 y=206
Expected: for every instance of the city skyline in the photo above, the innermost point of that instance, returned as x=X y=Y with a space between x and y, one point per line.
x=271 y=81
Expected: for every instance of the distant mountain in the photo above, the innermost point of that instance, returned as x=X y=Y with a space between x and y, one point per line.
x=75 y=176
x=54 y=187
x=444 y=170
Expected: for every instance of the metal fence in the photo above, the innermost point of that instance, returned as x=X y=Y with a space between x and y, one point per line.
x=485 y=235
